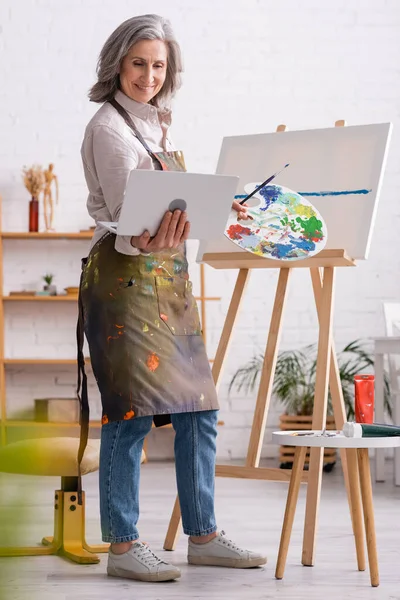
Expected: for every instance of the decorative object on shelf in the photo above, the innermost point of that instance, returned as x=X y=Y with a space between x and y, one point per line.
x=48 y=206
x=57 y=410
x=34 y=182
x=23 y=293
x=294 y=384
x=50 y=288
x=72 y=290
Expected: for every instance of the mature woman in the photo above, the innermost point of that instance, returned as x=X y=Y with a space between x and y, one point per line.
x=139 y=314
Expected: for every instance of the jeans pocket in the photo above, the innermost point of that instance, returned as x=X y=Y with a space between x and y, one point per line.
x=177 y=305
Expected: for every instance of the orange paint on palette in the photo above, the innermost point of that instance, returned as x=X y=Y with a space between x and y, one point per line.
x=164 y=317
x=104 y=420
x=119 y=326
x=236 y=231
x=129 y=415
x=153 y=361
x=112 y=337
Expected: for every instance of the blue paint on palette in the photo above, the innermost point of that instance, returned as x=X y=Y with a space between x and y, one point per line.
x=270 y=193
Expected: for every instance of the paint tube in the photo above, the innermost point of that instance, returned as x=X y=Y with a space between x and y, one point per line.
x=358 y=430
x=364 y=398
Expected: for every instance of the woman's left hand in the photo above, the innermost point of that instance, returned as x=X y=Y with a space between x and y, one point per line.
x=241 y=209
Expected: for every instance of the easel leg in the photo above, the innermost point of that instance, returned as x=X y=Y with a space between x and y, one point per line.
x=267 y=373
x=369 y=520
x=319 y=414
x=145 y=446
x=226 y=336
x=240 y=286
x=174 y=527
x=349 y=463
x=291 y=503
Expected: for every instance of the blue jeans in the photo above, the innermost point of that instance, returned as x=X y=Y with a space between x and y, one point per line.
x=120 y=455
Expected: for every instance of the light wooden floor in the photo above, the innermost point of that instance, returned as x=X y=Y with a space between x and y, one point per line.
x=250 y=512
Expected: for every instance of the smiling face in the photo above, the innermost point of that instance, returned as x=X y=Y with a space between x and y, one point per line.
x=143 y=70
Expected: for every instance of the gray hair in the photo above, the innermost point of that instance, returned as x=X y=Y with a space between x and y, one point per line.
x=117 y=46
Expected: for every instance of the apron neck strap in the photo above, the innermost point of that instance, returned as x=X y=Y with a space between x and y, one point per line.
x=125 y=115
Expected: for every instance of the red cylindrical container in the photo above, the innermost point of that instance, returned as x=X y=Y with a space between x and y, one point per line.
x=34 y=214
x=364 y=398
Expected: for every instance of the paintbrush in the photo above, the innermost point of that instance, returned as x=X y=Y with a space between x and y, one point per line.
x=263 y=184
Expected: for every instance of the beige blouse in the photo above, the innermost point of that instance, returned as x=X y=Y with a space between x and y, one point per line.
x=110 y=151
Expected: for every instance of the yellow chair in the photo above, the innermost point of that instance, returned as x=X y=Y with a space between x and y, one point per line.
x=57 y=457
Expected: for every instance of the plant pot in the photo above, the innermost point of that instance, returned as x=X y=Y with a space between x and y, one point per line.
x=51 y=289
x=299 y=422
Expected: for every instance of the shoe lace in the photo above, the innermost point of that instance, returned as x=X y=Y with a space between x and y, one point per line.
x=147 y=556
x=229 y=543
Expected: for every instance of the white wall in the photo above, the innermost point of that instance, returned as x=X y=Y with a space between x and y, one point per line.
x=250 y=64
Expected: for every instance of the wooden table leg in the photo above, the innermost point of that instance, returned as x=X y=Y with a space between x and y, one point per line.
x=174 y=527
x=291 y=503
x=369 y=520
x=355 y=506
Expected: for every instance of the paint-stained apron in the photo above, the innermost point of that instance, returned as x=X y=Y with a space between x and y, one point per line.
x=142 y=325
x=143 y=329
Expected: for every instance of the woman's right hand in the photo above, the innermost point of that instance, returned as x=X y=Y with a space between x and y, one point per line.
x=173 y=231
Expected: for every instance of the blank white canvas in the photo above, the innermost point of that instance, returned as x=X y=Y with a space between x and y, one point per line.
x=336 y=159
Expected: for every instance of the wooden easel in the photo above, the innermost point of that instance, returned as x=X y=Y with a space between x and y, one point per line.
x=322 y=270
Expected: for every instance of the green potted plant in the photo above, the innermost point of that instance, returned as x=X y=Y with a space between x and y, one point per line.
x=294 y=385
x=49 y=287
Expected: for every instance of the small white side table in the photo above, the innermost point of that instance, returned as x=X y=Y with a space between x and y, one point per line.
x=356 y=449
x=382 y=346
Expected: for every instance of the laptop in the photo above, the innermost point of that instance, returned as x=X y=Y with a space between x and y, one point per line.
x=150 y=194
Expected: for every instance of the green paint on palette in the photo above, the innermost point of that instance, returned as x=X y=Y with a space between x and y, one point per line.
x=312 y=228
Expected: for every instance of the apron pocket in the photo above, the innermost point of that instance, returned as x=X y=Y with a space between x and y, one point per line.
x=177 y=306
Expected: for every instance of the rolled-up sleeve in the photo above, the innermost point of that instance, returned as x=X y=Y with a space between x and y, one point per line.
x=114 y=158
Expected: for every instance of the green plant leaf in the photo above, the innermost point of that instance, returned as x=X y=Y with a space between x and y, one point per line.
x=294 y=381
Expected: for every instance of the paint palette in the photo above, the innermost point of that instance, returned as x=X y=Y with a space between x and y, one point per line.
x=285 y=225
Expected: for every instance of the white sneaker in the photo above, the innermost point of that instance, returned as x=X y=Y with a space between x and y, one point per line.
x=222 y=552
x=140 y=563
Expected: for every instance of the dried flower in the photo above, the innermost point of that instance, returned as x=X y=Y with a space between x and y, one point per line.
x=33 y=179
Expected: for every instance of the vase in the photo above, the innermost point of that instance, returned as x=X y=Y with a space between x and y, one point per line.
x=34 y=214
